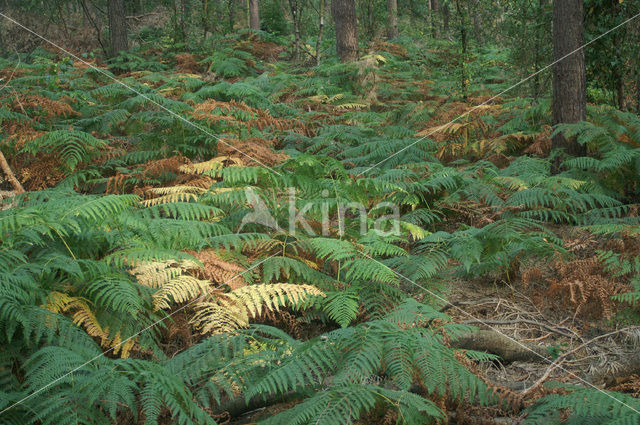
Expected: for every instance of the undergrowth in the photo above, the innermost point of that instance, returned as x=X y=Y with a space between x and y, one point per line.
x=135 y=217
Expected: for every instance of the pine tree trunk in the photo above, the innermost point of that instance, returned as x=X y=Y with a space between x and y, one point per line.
x=117 y=27
x=392 y=14
x=254 y=15
x=435 y=7
x=569 y=74
x=344 y=15
x=445 y=19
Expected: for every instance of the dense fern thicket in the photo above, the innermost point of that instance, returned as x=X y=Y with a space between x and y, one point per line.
x=131 y=240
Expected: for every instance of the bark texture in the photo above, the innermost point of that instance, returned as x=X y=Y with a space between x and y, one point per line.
x=254 y=15
x=118 y=27
x=344 y=16
x=392 y=19
x=4 y=166
x=569 y=74
x=495 y=343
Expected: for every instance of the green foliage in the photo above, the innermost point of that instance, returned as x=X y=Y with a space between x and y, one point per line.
x=584 y=406
x=70 y=256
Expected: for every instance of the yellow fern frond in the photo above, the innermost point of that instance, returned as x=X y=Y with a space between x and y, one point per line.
x=238 y=306
x=158 y=273
x=180 y=189
x=181 y=193
x=352 y=105
x=216 y=163
x=215 y=318
x=82 y=316
x=179 y=290
x=57 y=302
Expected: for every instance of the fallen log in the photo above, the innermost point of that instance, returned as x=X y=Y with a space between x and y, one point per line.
x=507 y=348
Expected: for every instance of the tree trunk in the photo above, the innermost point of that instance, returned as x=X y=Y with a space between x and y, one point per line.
x=445 y=19
x=295 y=16
x=185 y=17
x=205 y=18
x=462 y=22
x=254 y=15
x=231 y=9
x=435 y=7
x=323 y=6
x=477 y=23
x=344 y=15
x=392 y=15
x=569 y=74
x=117 y=27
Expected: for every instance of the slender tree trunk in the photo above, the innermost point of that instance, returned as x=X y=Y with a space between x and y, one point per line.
x=295 y=17
x=185 y=17
x=117 y=27
x=392 y=16
x=344 y=15
x=569 y=74
x=254 y=15
x=445 y=19
x=539 y=35
x=477 y=23
x=231 y=4
x=205 y=18
x=462 y=22
x=323 y=6
x=435 y=7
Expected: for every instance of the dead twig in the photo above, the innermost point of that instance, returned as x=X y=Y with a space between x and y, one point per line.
x=527 y=321
x=557 y=362
x=4 y=165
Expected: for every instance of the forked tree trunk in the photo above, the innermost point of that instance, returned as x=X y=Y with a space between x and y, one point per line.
x=392 y=19
x=569 y=74
x=344 y=15
x=254 y=15
x=117 y=27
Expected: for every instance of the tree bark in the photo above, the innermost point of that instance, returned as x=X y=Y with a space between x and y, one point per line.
x=4 y=166
x=117 y=27
x=569 y=74
x=435 y=7
x=445 y=19
x=344 y=15
x=295 y=17
x=477 y=23
x=254 y=15
x=496 y=343
x=464 y=47
x=323 y=6
x=392 y=16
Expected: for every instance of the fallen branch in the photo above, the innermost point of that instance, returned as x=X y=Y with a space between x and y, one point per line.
x=557 y=362
x=550 y=328
x=10 y=176
x=496 y=343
